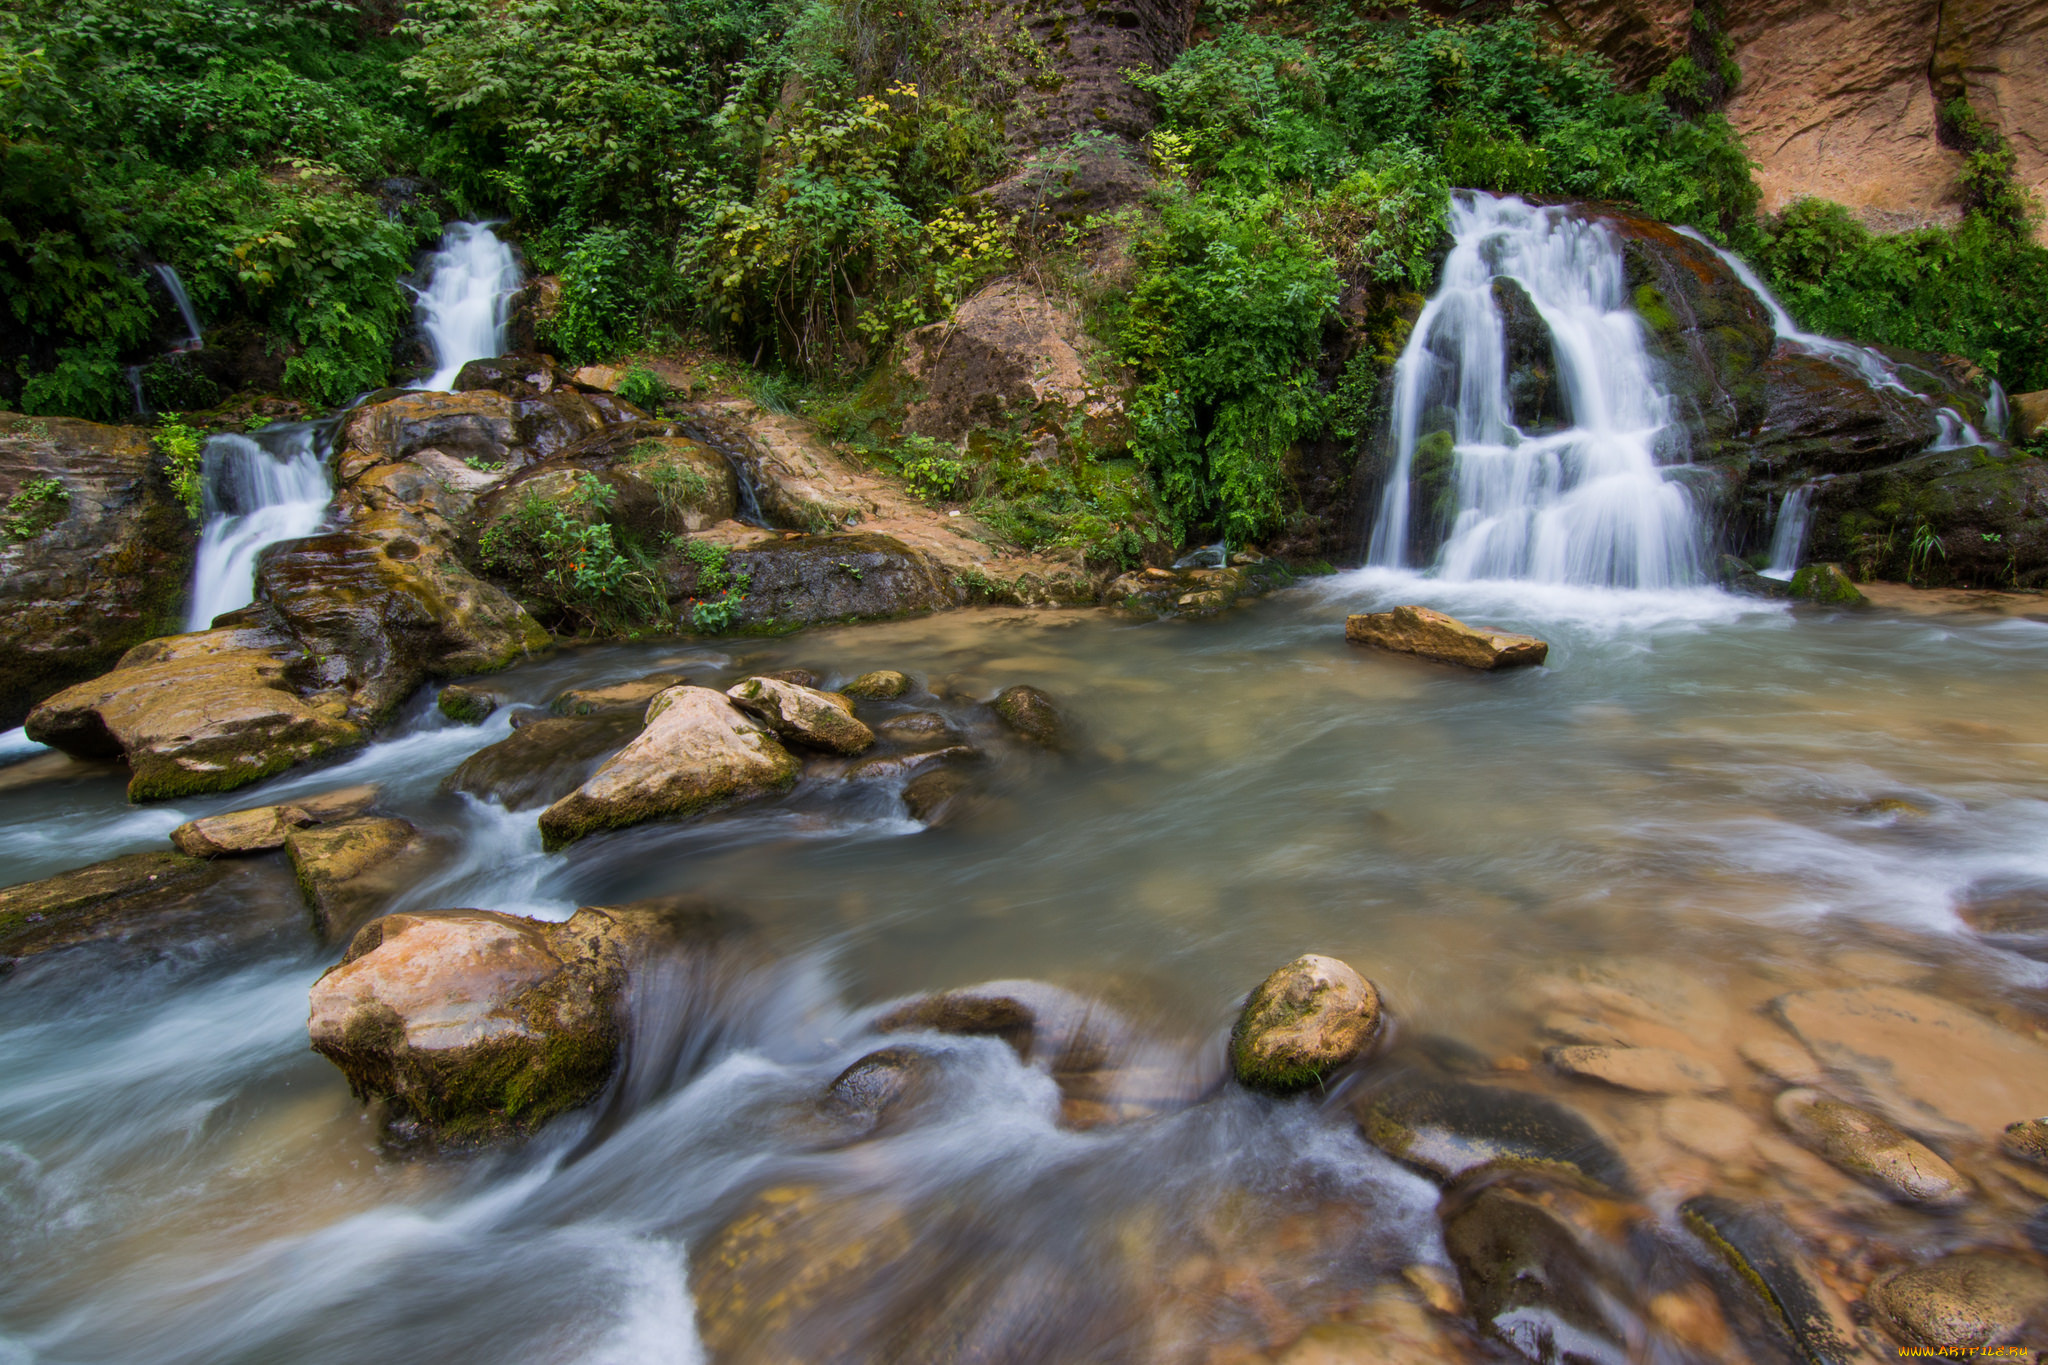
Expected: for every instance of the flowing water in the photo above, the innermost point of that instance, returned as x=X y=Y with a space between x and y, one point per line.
x=175 y=287
x=258 y=490
x=462 y=309
x=1586 y=504
x=1788 y=535
x=1699 y=789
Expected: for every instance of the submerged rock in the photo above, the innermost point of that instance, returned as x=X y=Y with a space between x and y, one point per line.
x=698 y=752
x=205 y=712
x=1650 y=1070
x=1450 y=1128
x=348 y=871
x=1770 y=1274
x=1869 y=1148
x=917 y=727
x=72 y=907
x=1418 y=630
x=1302 y=1023
x=939 y=796
x=1528 y=1281
x=544 y=759
x=1032 y=715
x=866 y=1094
x=466 y=705
x=803 y=715
x=2026 y=1140
x=475 y=1024
x=884 y=684
x=94 y=558
x=1926 y=1064
x=1971 y=1301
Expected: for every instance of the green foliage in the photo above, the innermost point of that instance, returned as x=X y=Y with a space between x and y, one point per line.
x=36 y=506
x=565 y=552
x=718 y=612
x=603 y=283
x=229 y=139
x=643 y=388
x=184 y=452
x=1224 y=327
x=930 y=475
x=1974 y=290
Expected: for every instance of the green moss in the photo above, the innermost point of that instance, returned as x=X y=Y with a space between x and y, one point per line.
x=1654 y=310
x=466 y=706
x=1825 y=583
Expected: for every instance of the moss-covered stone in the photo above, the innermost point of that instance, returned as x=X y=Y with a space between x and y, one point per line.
x=1970 y=1302
x=1870 y=1148
x=803 y=715
x=1302 y=1023
x=1829 y=584
x=884 y=684
x=1450 y=1128
x=350 y=870
x=72 y=907
x=1769 y=1272
x=466 y=705
x=1031 y=715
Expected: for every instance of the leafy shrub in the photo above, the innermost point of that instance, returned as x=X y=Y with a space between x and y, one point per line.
x=184 y=452
x=643 y=388
x=930 y=475
x=565 y=552
x=603 y=280
x=86 y=381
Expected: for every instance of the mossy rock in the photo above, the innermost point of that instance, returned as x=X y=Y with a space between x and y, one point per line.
x=1302 y=1023
x=73 y=907
x=466 y=705
x=884 y=684
x=1450 y=1128
x=1828 y=584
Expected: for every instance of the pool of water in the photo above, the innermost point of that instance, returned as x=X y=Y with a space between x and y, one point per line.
x=1725 y=799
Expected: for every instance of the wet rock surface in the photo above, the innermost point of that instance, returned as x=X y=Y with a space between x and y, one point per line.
x=1650 y=1070
x=856 y=577
x=545 y=759
x=883 y=684
x=624 y=696
x=1869 y=1148
x=1530 y=1281
x=803 y=715
x=1302 y=1023
x=1769 y=1273
x=95 y=562
x=1974 y=1300
x=465 y=705
x=348 y=871
x=262 y=828
x=474 y=1024
x=74 y=907
x=1450 y=1128
x=1419 y=630
x=1031 y=715
x=698 y=752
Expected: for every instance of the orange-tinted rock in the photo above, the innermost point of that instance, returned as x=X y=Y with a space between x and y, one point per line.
x=1419 y=630
x=1302 y=1023
x=350 y=870
x=803 y=715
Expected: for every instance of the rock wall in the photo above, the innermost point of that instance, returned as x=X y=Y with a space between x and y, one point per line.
x=1841 y=98
x=1088 y=46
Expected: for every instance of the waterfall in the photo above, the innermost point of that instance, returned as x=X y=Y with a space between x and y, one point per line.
x=1563 y=490
x=470 y=281
x=1788 y=537
x=1953 y=430
x=1997 y=413
x=258 y=490
x=176 y=288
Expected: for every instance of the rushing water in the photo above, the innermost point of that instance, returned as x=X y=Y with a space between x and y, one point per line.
x=258 y=490
x=175 y=287
x=1788 y=535
x=462 y=309
x=1586 y=504
x=1752 y=798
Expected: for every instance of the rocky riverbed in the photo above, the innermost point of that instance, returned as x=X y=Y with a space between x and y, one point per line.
x=1670 y=1000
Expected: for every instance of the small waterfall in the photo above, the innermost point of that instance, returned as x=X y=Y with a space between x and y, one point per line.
x=470 y=282
x=176 y=288
x=135 y=386
x=1998 y=413
x=1563 y=490
x=258 y=490
x=1954 y=430
x=1788 y=537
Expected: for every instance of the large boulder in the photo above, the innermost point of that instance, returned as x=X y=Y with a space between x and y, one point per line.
x=699 y=752
x=482 y=425
x=1433 y=635
x=95 y=553
x=384 y=604
x=1302 y=1023
x=546 y=758
x=210 y=711
x=471 y=1023
x=807 y=580
x=1987 y=506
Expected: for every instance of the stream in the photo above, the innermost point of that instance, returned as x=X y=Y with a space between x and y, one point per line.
x=1753 y=798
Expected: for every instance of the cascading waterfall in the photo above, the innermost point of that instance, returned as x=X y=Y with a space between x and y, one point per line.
x=1584 y=504
x=175 y=287
x=471 y=281
x=1953 y=429
x=258 y=490
x=1788 y=537
x=1997 y=413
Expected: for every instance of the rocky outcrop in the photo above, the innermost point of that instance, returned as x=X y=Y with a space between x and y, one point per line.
x=205 y=712
x=1419 y=630
x=803 y=715
x=1302 y=1023
x=1090 y=47
x=482 y=425
x=471 y=1023
x=1008 y=360
x=95 y=553
x=698 y=753
x=807 y=580
x=263 y=828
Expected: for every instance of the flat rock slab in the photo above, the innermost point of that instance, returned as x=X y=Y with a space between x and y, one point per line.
x=1927 y=1065
x=72 y=907
x=1649 y=1070
x=348 y=871
x=1419 y=630
x=262 y=828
